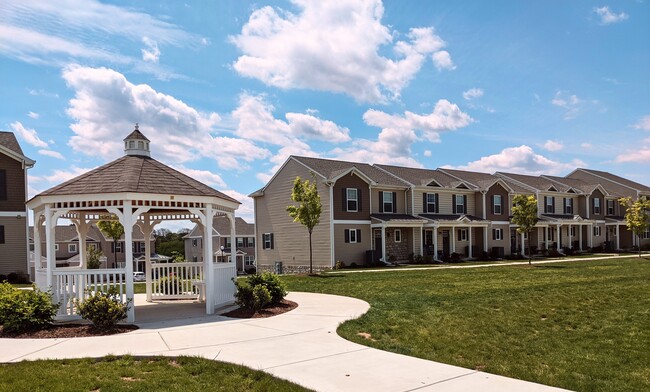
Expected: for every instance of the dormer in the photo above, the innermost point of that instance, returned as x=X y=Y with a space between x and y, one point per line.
x=136 y=144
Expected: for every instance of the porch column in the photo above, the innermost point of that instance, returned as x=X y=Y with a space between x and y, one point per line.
x=383 y=244
x=618 y=243
x=591 y=235
x=37 y=241
x=128 y=262
x=233 y=239
x=49 y=243
x=523 y=244
x=570 y=244
x=485 y=239
x=469 y=236
x=208 y=265
x=82 y=232
x=421 y=242
x=435 y=242
x=580 y=237
x=559 y=237
x=548 y=236
x=453 y=240
x=587 y=207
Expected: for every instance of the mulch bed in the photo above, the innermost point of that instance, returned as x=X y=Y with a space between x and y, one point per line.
x=280 y=308
x=67 y=331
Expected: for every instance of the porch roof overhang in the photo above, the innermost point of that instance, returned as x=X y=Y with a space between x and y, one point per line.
x=615 y=220
x=396 y=220
x=454 y=220
x=227 y=252
x=563 y=219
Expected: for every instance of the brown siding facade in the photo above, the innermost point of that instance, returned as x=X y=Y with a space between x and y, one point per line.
x=15 y=177
x=340 y=207
x=13 y=252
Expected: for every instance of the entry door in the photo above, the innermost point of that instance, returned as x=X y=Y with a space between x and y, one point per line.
x=445 y=243
x=378 y=245
x=428 y=241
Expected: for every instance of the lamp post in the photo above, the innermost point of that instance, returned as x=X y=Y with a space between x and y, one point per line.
x=222 y=250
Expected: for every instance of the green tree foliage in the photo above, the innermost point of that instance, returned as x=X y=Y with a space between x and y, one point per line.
x=309 y=207
x=524 y=215
x=114 y=230
x=170 y=244
x=93 y=256
x=636 y=216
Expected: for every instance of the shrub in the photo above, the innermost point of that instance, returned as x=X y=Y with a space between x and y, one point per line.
x=418 y=259
x=553 y=252
x=18 y=278
x=25 y=310
x=455 y=258
x=339 y=265
x=103 y=309
x=259 y=291
x=250 y=270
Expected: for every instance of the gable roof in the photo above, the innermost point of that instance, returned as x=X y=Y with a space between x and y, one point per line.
x=423 y=177
x=612 y=179
x=9 y=145
x=575 y=183
x=221 y=227
x=138 y=174
x=331 y=169
x=482 y=181
x=537 y=183
x=137 y=135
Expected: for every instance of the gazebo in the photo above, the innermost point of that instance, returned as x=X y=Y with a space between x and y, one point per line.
x=138 y=191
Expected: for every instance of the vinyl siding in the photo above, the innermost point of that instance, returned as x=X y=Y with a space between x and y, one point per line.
x=400 y=194
x=445 y=200
x=496 y=189
x=15 y=185
x=603 y=206
x=340 y=210
x=13 y=253
x=351 y=252
x=291 y=241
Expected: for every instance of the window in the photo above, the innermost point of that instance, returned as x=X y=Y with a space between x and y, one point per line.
x=352 y=236
x=497 y=234
x=462 y=234
x=3 y=185
x=251 y=242
x=352 y=199
x=646 y=234
x=116 y=248
x=56 y=247
x=459 y=204
x=571 y=231
x=131 y=144
x=141 y=145
x=72 y=248
x=431 y=203
x=549 y=204
x=596 y=231
x=610 y=207
x=398 y=235
x=267 y=239
x=195 y=242
x=195 y=259
x=568 y=205
x=596 y=208
x=388 y=201
x=227 y=243
x=496 y=204
x=551 y=234
x=240 y=242
x=2 y=234
x=249 y=260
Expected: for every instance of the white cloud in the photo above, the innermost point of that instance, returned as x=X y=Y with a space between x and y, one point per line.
x=586 y=146
x=427 y=153
x=51 y=153
x=151 y=52
x=522 y=160
x=473 y=93
x=643 y=123
x=641 y=155
x=609 y=17
x=55 y=33
x=33 y=115
x=333 y=46
x=553 y=145
x=28 y=135
x=106 y=106
x=245 y=210
x=442 y=60
x=207 y=177
x=571 y=104
x=58 y=176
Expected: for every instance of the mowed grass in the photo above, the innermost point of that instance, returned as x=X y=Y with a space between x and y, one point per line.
x=133 y=374
x=581 y=325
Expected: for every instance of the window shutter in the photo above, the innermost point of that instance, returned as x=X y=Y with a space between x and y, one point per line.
x=437 y=204
x=3 y=185
x=358 y=235
x=263 y=242
x=593 y=205
x=345 y=199
x=553 y=200
x=494 y=201
x=453 y=202
x=465 y=207
x=494 y=234
x=394 y=202
x=545 y=204
x=565 y=204
x=425 y=204
x=347 y=235
x=271 y=240
x=381 y=201
x=358 y=199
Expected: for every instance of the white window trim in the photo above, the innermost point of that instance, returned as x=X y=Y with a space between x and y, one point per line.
x=348 y=199
x=462 y=234
x=499 y=212
x=498 y=234
x=72 y=248
x=597 y=231
x=431 y=203
x=266 y=241
x=596 y=205
x=461 y=203
x=398 y=235
x=391 y=202
x=549 y=205
x=56 y=247
x=352 y=236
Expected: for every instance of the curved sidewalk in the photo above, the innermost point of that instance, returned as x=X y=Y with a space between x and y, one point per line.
x=301 y=346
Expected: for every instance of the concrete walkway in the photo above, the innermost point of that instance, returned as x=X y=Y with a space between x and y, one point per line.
x=301 y=346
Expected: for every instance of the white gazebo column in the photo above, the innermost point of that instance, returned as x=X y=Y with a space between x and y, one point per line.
x=82 y=232
x=469 y=234
x=435 y=242
x=127 y=222
x=233 y=239
x=383 y=244
x=37 y=241
x=146 y=226
x=49 y=243
x=208 y=265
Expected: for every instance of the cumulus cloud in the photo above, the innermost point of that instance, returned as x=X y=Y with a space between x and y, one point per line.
x=106 y=106
x=553 y=145
x=245 y=210
x=641 y=155
x=473 y=93
x=205 y=176
x=29 y=135
x=150 y=52
x=609 y=17
x=521 y=160
x=334 y=46
x=52 y=154
x=58 y=176
x=643 y=123
x=427 y=153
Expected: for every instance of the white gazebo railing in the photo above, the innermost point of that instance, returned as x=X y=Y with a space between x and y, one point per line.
x=224 y=285
x=176 y=280
x=69 y=285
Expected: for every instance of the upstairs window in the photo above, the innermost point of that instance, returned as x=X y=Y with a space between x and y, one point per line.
x=596 y=208
x=240 y=242
x=496 y=204
x=431 y=203
x=549 y=204
x=72 y=248
x=568 y=205
x=610 y=207
x=267 y=241
x=250 y=242
x=352 y=196
x=3 y=185
x=460 y=204
x=195 y=242
x=387 y=202
x=228 y=244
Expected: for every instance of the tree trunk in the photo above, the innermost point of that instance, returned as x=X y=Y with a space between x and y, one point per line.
x=310 y=262
x=638 y=241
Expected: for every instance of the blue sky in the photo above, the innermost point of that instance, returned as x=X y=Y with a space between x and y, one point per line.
x=228 y=90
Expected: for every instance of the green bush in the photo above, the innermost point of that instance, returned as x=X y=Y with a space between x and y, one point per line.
x=103 y=309
x=25 y=310
x=259 y=291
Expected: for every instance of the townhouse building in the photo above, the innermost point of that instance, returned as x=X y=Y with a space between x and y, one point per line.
x=13 y=212
x=383 y=213
x=221 y=242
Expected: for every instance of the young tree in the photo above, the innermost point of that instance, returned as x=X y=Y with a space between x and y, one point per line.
x=308 y=211
x=524 y=215
x=113 y=230
x=636 y=216
x=93 y=257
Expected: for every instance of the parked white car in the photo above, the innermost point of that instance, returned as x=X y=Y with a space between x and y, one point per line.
x=139 y=277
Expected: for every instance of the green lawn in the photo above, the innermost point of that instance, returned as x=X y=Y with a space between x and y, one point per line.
x=582 y=325
x=133 y=374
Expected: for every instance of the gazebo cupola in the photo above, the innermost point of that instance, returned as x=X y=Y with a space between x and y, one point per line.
x=136 y=144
